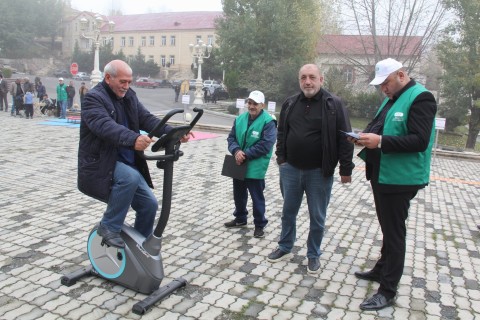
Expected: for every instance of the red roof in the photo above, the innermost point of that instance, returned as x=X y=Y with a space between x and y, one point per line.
x=364 y=45
x=165 y=21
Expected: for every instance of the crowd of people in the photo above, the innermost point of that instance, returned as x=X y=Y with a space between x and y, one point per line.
x=26 y=96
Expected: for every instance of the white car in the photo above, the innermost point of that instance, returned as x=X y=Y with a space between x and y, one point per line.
x=82 y=76
x=209 y=83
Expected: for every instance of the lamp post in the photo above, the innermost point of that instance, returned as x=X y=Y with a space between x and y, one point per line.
x=198 y=51
x=95 y=38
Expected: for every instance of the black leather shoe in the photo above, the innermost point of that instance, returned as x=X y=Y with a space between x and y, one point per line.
x=376 y=302
x=368 y=275
x=112 y=239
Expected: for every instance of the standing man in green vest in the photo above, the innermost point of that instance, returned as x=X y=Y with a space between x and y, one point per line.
x=251 y=140
x=398 y=144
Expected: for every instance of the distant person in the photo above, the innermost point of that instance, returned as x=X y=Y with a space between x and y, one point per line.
x=3 y=94
x=41 y=90
x=177 y=91
x=27 y=85
x=28 y=104
x=398 y=144
x=70 y=94
x=82 y=92
x=251 y=140
x=62 y=98
x=309 y=147
x=17 y=92
x=47 y=104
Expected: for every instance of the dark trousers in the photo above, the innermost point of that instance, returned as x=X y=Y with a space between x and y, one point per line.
x=4 y=101
x=29 y=110
x=240 y=196
x=392 y=212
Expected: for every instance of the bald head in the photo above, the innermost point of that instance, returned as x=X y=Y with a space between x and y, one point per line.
x=311 y=80
x=116 y=66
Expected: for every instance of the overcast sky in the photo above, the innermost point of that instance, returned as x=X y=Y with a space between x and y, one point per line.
x=146 y=6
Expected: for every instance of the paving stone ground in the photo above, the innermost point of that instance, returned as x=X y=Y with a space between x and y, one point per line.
x=44 y=222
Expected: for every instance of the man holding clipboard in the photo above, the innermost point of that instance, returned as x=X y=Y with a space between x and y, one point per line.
x=251 y=142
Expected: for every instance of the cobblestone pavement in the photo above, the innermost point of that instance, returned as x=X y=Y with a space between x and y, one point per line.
x=45 y=220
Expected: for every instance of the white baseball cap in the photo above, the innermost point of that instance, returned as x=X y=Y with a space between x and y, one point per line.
x=60 y=79
x=257 y=96
x=383 y=69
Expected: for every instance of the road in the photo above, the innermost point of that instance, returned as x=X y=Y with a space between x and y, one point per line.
x=158 y=101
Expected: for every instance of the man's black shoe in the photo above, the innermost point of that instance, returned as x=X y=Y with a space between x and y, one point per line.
x=368 y=275
x=376 y=302
x=235 y=224
x=258 y=233
x=112 y=239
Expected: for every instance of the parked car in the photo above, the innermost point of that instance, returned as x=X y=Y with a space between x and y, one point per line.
x=164 y=84
x=62 y=74
x=193 y=84
x=82 y=76
x=176 y=83
x=210 y=83
x=146 y=83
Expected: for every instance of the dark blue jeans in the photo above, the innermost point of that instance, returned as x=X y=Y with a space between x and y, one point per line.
x=240 y=195
x=293 y=184
x=130 y=189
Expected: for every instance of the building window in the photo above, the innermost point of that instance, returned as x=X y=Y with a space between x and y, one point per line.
x=150 y=58
x=122 y=42
x=349 y=75
x=130 y=58
x=144 y=41
x=163 y=60
x=130 y=41
x=172 y=40
x=172 y=60
x=164 y=40
x=108 y=41
x=210 y=40
x=152 y=40
x=198 y=38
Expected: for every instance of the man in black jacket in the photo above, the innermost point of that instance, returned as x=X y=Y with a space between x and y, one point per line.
x=309 y=146
x=398 y=144
x=109 y=168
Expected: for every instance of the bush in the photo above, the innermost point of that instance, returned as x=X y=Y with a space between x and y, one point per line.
x=364 y=105
x=7 y=72
x=232 y=109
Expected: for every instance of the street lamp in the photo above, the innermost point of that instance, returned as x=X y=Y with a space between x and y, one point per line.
x=95 y=37
x=198 y=51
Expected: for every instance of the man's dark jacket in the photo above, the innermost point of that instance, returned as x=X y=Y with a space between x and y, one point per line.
x=335 y=146
x=101 y=135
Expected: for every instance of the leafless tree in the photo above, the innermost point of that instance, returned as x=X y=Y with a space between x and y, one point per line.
x=400 y=29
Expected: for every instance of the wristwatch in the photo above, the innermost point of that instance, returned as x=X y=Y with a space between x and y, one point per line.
x=379 y=145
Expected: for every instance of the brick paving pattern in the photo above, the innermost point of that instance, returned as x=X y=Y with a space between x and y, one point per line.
x=45 y=220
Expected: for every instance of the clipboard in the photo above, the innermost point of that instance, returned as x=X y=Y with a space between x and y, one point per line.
x=232 y=170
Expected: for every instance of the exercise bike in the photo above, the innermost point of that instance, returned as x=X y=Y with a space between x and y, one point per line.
x=139 y=265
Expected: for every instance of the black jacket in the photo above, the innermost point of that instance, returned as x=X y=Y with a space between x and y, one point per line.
x=101 y=135
x=335 y=146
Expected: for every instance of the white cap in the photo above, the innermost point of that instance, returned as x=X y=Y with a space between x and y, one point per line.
x=60 y=79
x=257 y=96
x=383 y=69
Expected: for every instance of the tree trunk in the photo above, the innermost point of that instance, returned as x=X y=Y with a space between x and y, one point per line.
x=473 y=128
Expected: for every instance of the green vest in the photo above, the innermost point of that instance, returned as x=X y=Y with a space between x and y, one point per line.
x=247 y=137
x=412 y=168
